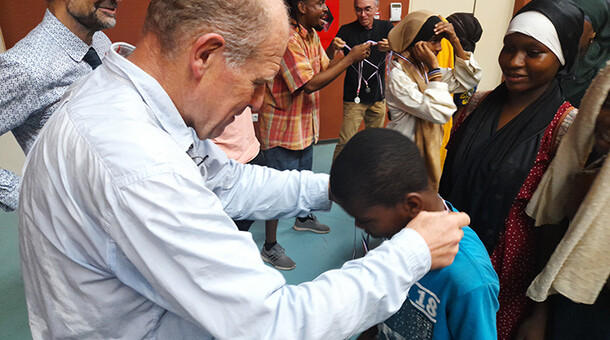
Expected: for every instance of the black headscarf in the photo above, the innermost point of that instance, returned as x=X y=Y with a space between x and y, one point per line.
x=568 y=20
x=467 y=28
x=486 y=167
x=426 y=32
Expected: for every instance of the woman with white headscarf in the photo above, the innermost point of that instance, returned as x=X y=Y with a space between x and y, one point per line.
x=504 y=140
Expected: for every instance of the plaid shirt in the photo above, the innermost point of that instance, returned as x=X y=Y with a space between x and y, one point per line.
x=289 y=117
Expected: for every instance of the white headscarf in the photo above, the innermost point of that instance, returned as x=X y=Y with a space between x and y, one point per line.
x=539 y=27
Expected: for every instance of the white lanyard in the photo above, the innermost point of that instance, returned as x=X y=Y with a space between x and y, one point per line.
x=360 y=74
x=389 y=57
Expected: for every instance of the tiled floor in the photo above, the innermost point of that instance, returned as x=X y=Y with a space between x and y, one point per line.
x=313 y=253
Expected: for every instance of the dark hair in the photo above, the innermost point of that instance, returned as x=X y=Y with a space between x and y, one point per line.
x=467 y=28
x=377 y=167
x=293 y=8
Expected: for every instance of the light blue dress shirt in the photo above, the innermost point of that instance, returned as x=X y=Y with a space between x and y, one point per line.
x=125 y=230
x=34 y=74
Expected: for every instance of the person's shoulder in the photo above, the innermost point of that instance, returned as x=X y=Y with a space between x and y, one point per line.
x=472 y=266
x=385 y=24
x=27 y=49
x=350 y=26
x=25 y=60
x=118 y=126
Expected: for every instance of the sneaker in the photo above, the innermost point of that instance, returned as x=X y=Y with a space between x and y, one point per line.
x=276 y=257
x=311 y=224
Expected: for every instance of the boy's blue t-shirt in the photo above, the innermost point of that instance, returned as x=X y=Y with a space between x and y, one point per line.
x=456 y=302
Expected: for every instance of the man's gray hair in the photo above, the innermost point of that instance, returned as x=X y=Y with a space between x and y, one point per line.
x=376 y=2
x=244 y=24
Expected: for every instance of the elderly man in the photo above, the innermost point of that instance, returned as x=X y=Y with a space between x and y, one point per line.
x=363 y=86
x=124 y=211
x=36 y=72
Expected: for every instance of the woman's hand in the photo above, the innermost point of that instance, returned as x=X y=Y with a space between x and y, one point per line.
x=446 y=30
x=422 y=52
x=534 y=327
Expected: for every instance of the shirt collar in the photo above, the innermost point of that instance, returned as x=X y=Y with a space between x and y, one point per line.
x=303 y=32
x=69 y=42
x=152 y=93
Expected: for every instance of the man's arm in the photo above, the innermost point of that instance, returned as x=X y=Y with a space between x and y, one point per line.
x=203 y=269
x=9 y=190
x=321 y=79
x=261 y=193
x=16 y=103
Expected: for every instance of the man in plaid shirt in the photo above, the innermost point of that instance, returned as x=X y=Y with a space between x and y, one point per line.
x=289 y=117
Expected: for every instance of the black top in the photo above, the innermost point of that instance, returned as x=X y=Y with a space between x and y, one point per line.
x=354 y=34
x=485 y=167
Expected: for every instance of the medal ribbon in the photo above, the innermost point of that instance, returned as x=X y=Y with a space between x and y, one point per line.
x=360 y=72
x=388 y=58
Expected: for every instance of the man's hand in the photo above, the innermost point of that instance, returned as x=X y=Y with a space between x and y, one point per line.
x=423 y=53
x=383 y=45
x=442 y=231
x=338 y=44
x=359 y=52
x=335 y=47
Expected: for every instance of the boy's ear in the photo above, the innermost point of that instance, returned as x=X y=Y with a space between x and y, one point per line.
x=413 y=204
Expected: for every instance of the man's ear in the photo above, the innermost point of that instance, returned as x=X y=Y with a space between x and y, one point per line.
x=302 y=8
x=413 y=204
x=206 y=48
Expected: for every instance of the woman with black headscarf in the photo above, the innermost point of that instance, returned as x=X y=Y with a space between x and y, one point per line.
x=469 y=31
x=499 y=152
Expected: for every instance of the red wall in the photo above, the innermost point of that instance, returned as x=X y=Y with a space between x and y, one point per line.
x=331 y=114
x=17 y=18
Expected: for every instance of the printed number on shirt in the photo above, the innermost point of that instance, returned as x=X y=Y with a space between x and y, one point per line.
x=424 y=300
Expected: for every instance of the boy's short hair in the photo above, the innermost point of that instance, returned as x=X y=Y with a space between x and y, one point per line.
x=377 y=167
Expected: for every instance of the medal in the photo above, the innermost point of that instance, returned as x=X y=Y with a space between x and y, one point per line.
x=362 y=79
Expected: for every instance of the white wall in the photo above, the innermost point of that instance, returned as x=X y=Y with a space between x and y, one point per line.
x=11 y=156
x=494 y=16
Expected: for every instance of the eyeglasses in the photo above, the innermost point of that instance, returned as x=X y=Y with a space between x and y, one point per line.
x=367 y=10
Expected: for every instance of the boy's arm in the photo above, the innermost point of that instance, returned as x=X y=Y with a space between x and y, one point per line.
x=473 y=315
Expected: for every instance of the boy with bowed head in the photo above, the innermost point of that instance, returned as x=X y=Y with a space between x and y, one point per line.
x=380 y=179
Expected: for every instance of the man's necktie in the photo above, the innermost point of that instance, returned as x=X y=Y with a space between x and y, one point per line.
x=92 y=58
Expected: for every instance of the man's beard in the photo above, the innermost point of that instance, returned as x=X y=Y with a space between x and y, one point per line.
x=91 y=21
